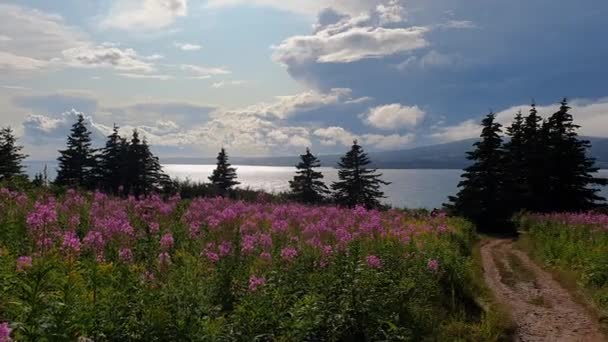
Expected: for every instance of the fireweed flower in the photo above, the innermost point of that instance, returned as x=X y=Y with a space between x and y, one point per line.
x=225 y=248
x=166 y=242
x=265 y=256
x=373 y=261
x=24 y=263
x=71 y=244
x=289 y=253
x=5 y=332
x=433 y=265
x=125 y=255
x=255 y=282
x=212 y=256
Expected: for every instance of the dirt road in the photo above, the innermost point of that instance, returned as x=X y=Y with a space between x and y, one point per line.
x=542 y=309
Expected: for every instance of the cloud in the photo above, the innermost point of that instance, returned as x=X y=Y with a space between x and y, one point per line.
x=144 y=15
x=147 y=76
x=392 y=12
x=53 y=129
x=307 y=7
x=201 y=72
x=590 y=115
x=188 y=46
x=57 y=103
x=9 y=61
x=394 y=116
x=349 y=40
x=331 y=136
x=95 y=56
x=225 y=84
x=286 y=106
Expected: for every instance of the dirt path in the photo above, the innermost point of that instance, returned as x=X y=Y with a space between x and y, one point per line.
x=542 y=310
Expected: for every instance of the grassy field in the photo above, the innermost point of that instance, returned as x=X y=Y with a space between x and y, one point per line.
x=575 y=247
x=85 y=265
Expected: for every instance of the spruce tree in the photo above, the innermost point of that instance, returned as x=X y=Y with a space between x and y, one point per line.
x=113 y=162
x=515 y=165
x=358 y=185
x=570 y=173
x=480 y=198
x=535 y=153
x=144 y=172
x=77 y=162
x=307 y=185
x=224 y=176
x=11 y=157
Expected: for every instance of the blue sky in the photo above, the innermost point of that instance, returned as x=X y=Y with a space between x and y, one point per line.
x=271 y=77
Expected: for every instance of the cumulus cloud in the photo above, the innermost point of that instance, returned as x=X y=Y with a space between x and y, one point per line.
x=188 y=46
x=9 y=61
x=391 y=12
x=394 y=116
x=95 y=56
x=349 y=40
x=53 y=129
x=142 y=15
x=285 y=106
x=331 y=136
x=308 y=7
x=147 y=76
x=202 y=72
x=590 y=115
x=225 y=84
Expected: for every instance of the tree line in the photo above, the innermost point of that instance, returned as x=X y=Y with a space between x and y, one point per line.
x=542 y=166
x=128 y=167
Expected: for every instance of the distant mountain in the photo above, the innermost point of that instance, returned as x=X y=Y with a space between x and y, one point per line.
x=444 y=156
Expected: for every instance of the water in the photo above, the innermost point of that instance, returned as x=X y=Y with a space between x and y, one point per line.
x=409 y=188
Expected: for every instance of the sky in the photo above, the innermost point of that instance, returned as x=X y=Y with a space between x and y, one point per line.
x=272 y=77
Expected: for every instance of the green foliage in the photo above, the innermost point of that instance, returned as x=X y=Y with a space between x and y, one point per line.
x=307 y=185
x=481 y=198
x=10 y=155
x=578 y=249
x=358 y=185
x=224 y=176
x=77 y=162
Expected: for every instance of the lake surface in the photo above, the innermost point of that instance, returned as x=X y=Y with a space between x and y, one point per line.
x=409 y=188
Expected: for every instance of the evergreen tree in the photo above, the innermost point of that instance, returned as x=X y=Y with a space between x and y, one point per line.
x=113 y=162
x=535 y=152
x=144 y=172
x=11 y=157
x=358 y=185
x=480 y=197
x=224 y=176
x=307 y=185
x=77 y=162
x=570 y=173
x=515 y=165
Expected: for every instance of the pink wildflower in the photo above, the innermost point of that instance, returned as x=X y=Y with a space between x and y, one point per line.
x=213 y=257
x=24 y=263
x=5 y=332
x=166 y=242
x=255 y=282
x=225 y=248
x=71 y=243
x=289 y=253
x=433 y=265
x=265 y=256
x=373 y=261
x=126 y=255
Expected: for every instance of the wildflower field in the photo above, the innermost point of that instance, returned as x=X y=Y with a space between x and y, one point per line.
x=88 y=266
x=572 y=242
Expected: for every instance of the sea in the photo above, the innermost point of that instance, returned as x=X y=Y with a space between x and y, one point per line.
x=409 y=188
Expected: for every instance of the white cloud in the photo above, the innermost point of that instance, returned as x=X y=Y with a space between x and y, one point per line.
x=188 y=46
x=284 y=106
x=147 y=76
x=201 y=72
x=225 y=84
x=307 y=7
x=154 y=57
x=392 y=12
x=142 y=15
x=350 y=39
x=9 y=61
x=331 y=136
x=91 y=56
x=394 y=116
x=590 y=115
x=4 y=38
x=14 y=87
